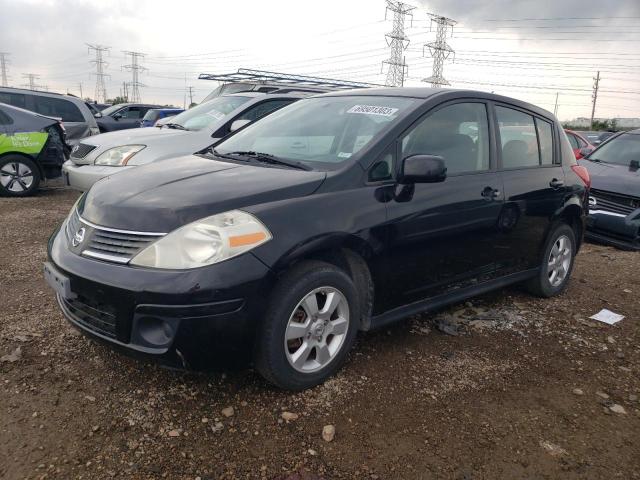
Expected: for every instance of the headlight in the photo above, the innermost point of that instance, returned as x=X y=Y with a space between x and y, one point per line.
x=205 y=242
x=118 y=156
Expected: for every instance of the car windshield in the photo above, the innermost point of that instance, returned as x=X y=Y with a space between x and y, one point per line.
x=111 y=109
x=321 y=132
x=151 y=115
x=621 y=150
x=208 y=113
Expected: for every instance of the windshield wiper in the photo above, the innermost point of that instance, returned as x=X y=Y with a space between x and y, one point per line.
x=177 y=126
x=267 y=158
x=595 y=160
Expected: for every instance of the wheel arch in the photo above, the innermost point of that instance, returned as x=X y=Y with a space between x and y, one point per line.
x=348 y=252
x=572 y=213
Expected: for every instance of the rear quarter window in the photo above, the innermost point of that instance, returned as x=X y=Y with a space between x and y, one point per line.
x=58 y=107
x=545 y=138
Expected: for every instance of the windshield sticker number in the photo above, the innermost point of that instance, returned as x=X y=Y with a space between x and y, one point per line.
x=344 y=155
x=373 y=110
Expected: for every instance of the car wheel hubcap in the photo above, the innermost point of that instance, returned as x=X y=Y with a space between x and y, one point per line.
x=16 y=177
x=559 y=261
x=316 y=329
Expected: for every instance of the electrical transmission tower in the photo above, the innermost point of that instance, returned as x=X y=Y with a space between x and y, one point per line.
x=32 y=85
x=101 y=91
x=439 y=50
x=398 y=41
x=4 y=78
x=594 y=96
x=135 y=68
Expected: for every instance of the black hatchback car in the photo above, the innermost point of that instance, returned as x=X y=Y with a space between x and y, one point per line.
x=342 y=212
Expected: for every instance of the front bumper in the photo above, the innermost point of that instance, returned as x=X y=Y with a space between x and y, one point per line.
x=188 y=319
x=82 y=177
x=614 y=229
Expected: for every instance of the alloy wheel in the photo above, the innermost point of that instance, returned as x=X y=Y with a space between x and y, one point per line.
x=16 y=177
x=559 y=261
x=317 y=329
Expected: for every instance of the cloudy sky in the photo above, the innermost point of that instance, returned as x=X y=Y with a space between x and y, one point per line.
x=525 y=49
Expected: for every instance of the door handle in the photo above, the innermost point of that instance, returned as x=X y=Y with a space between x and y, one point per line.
x=490 y=193
x=555 y=183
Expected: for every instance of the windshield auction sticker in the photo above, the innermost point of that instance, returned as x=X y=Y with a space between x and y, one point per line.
x=373 y=110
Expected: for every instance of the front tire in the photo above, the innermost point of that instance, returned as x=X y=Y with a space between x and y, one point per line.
x=557 y=263
x=310 y=326
x=19 y=176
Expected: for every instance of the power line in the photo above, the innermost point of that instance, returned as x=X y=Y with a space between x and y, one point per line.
x=3 y=68
x=135 y=68
x=398 y=41
x=101 y=91
x=440 y=49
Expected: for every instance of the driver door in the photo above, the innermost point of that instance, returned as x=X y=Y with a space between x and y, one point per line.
x=442 y=235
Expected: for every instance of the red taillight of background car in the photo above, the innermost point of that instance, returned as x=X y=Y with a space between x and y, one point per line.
x=583 y=173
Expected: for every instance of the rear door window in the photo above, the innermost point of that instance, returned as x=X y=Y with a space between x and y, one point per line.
x=518 y=138
x=57 y=107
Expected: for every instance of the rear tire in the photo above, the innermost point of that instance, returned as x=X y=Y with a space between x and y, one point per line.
x=310 y=326
x=557 y=263
x=19 y=176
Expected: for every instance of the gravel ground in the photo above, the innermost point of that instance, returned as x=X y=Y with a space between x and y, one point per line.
x=506 y=386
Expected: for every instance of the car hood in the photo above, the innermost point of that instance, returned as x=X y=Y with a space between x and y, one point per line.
x=136 y=136
x=164 y=195
x=613 y=178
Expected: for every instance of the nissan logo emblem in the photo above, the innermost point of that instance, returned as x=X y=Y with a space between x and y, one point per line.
x=75 y=148
x=78 y=237
x=592 y=201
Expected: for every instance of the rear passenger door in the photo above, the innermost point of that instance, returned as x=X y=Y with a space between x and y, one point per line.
x=442 y=235
x=533 y=180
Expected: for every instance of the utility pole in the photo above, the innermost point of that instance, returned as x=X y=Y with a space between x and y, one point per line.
x=397 y=41
x=440 y=49
x=594 y=96
x=3 y=69
x=555 y=109
x=135 y=68
x=101 y=91
x=32 y=85
x=190 y=95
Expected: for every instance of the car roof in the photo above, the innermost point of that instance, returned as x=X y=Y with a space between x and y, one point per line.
x=424 y=93
x=28 y=112
x=45 y=93
x=140 y=105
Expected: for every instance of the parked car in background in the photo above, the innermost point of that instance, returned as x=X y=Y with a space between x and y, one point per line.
x=32 y=148
x=596 y=138
x=78 y=119
x=155 y=114
x=188 y=132
x=338 y=213
x=580 y=145
x=614 y=201
x=122 y=116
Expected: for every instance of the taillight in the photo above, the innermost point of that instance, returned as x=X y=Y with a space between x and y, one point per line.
x=583 y=173
x=61 y=125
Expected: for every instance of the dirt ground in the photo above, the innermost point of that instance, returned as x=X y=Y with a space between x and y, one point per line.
x=506 y=386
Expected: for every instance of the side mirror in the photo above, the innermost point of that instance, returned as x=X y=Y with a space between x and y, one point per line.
x=117 y=116
x=98 y=115
x=238 y=124
x=422 y=169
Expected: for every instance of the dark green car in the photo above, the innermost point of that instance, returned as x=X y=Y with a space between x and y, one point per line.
x=32 y=148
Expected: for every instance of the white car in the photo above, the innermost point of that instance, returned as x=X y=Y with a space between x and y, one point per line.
x=191 y=131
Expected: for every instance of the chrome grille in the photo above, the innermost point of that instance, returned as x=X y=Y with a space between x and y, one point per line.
x=108 y=244
x=82 y=150
x=615 y=203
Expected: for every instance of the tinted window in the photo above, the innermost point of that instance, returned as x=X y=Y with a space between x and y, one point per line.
x=57 y=107
x=208 y=113
x=573 y=140
x=518 y=138
x=546 y=141
x=15 y=99
x=131 y=113
x=263 y=109
x=459 y=133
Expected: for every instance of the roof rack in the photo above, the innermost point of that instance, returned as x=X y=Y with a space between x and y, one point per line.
x=246 y=75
